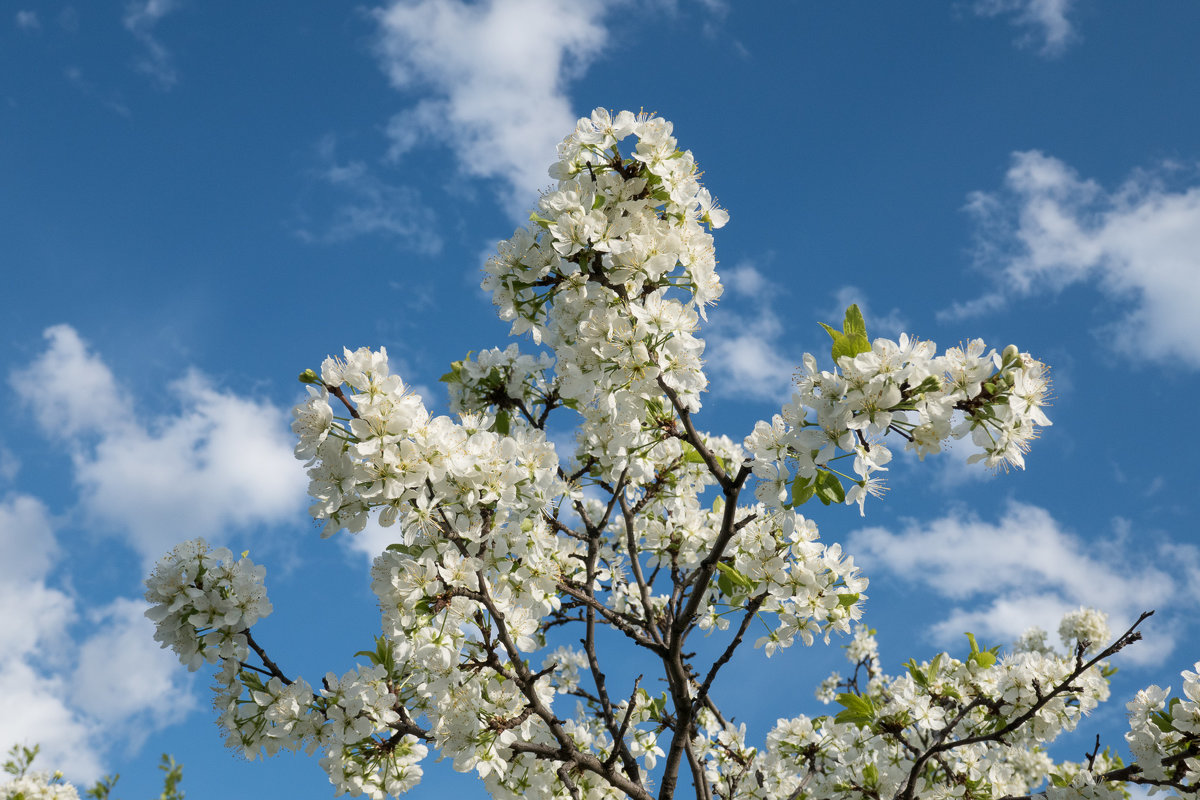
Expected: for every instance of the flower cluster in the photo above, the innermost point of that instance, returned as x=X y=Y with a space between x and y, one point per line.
x=38 y=786
x=1164 y=736
x=202 y=603
x=613 y=273
x=511 y=382
x=391 y=455
x=895 y=387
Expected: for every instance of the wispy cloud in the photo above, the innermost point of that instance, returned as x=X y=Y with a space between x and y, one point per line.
x=495 y=74
x=364 y=204
x=1044 y=21
x=28 y=21
x=746 y=353
x=141 y=18
x=221 y=461
x=1027 y=569
x=110 y=100
x=1048 y=228
x=10 y=465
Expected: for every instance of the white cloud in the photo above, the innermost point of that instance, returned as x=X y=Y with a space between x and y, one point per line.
x=76 y=392
x=222 y=461
x=1045 y=21
x=745 y=281
x=28 y=20
x=68 y=741
x=368 y=205
x=371 y=540
x=745 y=357
x=745 y=353
x=1139 y=245
x=34 y=616
x=496 y=72
x=1024 y=570
x=110 y=100
x=141 y=18
x=76 y=701
x=122 y=674
x=33 y=613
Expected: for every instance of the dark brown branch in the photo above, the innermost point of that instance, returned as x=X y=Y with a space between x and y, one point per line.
x=336 y=391
x=694 y=439
x=267 y=662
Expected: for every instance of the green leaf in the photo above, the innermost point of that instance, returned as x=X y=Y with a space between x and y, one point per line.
x=918 y=676
x=834 y=333
x=738 y=578
x=829 y=488
x=540 y=220
x=858 y=710
x=850 y=346
x=454 y=375
x=691 y=455
x=803 y=490
x=935 y=666
x=854 y=323
x=984 y=658
x=870 y=776
x=502 y=423
x=848 y=599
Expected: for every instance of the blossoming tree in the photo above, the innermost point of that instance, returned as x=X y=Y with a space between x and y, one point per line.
x=507 y=549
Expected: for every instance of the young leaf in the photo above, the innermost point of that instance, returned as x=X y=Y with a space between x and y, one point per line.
x=917 y=675
x=735 y=576
x=850 y=346
x=854 y=322
x=691 y=455
x=803 y=490
x=858 y=710
x=829 y=488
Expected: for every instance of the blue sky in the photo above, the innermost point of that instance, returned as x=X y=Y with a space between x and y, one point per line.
x=200 y=200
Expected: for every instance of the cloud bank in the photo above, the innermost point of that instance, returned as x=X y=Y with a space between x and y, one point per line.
x=1024 y=570
x=1139 y=245
x=76 y=699
x=221 y=461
